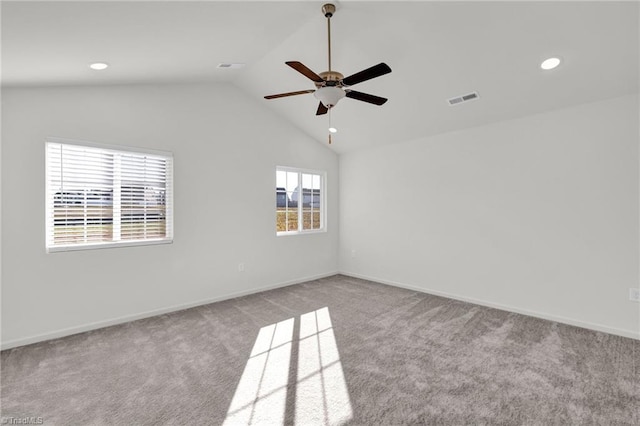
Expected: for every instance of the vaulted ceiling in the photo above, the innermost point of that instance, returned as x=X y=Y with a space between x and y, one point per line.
x=437 y=50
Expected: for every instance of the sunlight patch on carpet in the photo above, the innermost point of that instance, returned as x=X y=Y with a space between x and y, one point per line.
x=262 y=391
x=320 y=390
x=321 y=396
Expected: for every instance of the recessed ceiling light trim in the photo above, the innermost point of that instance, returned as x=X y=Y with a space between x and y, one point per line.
x=231 y=65
x=550 y=63
x=99 y=66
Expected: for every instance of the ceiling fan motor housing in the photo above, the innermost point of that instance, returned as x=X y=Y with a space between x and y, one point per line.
x=331 y=78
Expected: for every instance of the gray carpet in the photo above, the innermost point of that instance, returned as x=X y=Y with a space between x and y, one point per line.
x=333 y=351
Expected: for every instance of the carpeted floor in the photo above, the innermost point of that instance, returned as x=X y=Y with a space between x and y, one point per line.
x=333 y=351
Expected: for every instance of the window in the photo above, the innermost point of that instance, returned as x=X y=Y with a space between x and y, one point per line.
x=101 y=196
x=300 y=201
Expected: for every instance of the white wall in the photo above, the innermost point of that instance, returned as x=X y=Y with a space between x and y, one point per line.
x=226 y=147
x=536 y=215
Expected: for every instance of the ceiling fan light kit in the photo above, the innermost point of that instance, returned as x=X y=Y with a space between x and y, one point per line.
x=331 y=86
x=329 y=95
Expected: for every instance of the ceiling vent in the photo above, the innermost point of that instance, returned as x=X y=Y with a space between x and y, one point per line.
x=230 y=65
x=464 y=98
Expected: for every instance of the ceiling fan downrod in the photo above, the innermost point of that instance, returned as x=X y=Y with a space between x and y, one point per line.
x=328 y=10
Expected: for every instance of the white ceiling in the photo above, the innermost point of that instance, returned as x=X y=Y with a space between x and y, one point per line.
x=437 y=50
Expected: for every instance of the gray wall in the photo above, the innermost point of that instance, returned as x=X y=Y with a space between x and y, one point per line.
x=226 y=147
x=536 y=215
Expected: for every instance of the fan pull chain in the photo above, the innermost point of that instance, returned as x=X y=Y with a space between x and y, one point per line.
x=330 y=126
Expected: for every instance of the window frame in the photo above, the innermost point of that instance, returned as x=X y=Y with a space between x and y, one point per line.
x=323 y=201
x=169 y=198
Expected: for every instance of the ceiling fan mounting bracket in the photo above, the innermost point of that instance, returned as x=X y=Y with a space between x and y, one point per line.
x=328 y=10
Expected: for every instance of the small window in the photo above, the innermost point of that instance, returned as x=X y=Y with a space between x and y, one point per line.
x=100 y=196
x=300 y=201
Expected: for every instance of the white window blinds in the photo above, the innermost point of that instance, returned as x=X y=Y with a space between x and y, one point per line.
x=98 y=196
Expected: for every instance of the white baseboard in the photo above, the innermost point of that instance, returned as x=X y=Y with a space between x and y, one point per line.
x=128 y=318
x=583 y=324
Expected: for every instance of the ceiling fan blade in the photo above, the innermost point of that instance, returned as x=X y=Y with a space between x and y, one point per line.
x=302 y=69
x=365 y=97
x=282 y=95
x=368 y=74
x=321 y=109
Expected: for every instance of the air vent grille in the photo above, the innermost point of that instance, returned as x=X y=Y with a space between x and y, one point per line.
x=463 y=98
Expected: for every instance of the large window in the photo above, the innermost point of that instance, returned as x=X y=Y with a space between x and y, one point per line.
x=300 y=201
x=101 y=196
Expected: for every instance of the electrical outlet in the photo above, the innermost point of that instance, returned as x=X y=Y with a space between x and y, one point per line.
x=634 y=294
x=240 y=267
x=353 y=253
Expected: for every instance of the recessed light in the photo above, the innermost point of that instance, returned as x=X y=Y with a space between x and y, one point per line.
x=99 y=66
x=232 y=65
x=333 y=129
x=549 y=64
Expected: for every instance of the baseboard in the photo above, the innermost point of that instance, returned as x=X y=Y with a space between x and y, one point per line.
x=588 y=325
x=128 y=318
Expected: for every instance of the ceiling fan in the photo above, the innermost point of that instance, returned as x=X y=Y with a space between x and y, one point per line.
x=331 y=86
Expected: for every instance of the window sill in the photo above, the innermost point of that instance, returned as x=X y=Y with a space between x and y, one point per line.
x=76 y=247
x=290 y=233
